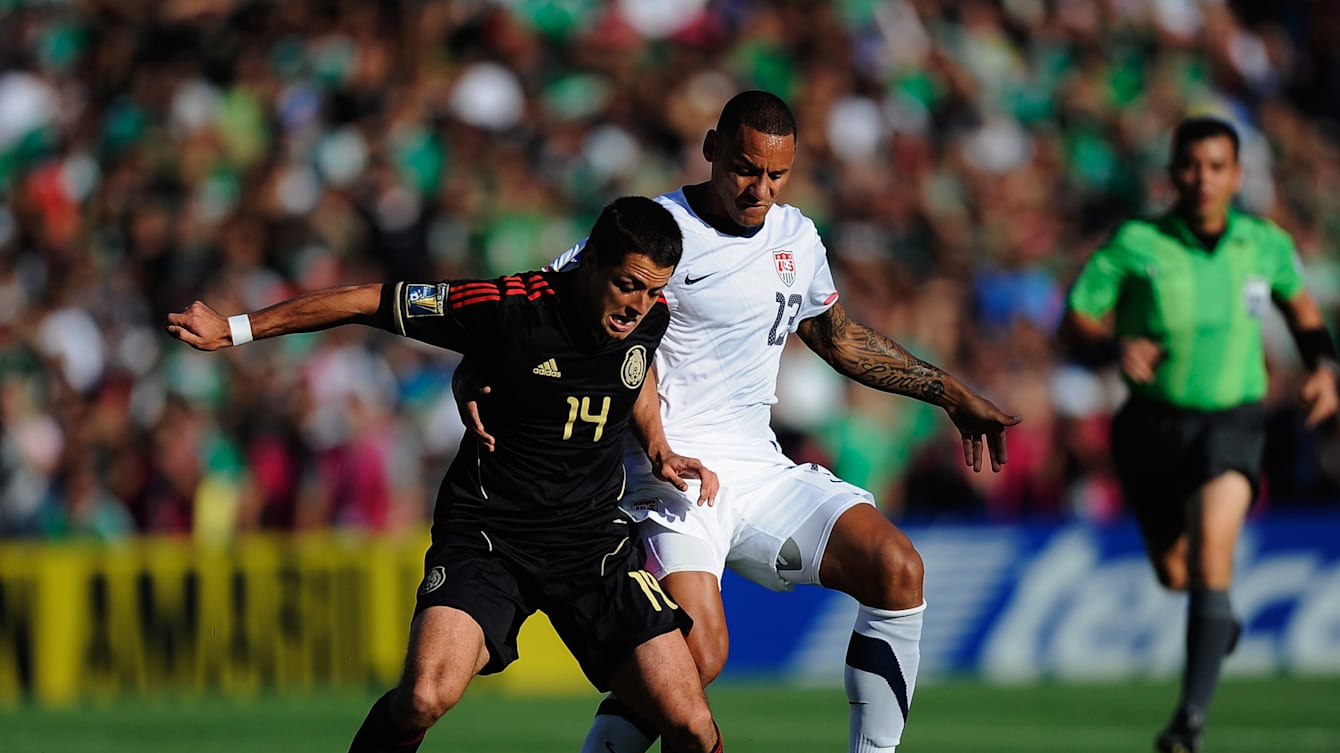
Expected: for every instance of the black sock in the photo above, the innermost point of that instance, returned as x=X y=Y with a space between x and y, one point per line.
x=615 y=707
x=379 y=735
x=1209 y=630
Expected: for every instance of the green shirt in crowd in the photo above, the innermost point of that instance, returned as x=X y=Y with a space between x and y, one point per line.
x=1202 y=305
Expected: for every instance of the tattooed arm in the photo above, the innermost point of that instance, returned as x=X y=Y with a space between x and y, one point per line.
x=862 y=354
x=868 y=357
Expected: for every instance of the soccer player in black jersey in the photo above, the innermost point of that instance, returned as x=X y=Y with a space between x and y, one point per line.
x=534 y=525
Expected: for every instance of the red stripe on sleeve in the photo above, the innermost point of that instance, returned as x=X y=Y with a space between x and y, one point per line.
x=466 y=293
x=537 y=286
x=476 y=299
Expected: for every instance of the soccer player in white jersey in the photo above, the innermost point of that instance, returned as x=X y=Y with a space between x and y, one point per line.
x=753 y=272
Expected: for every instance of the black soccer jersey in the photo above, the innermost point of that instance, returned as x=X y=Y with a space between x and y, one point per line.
x=562 y=397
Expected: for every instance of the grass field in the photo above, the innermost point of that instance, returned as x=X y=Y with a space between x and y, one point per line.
x=1250 y=716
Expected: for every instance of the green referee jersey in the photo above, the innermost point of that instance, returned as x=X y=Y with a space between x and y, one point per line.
x=1202 y=305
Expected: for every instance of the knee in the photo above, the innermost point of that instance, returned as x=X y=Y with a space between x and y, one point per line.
x=425 y=702
x=1173 y=578
x=709 y=647
x=898 y=575
x=1172 y=574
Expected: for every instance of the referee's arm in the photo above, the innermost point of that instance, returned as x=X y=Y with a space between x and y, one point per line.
x=1315 y=344
x=1091 y=342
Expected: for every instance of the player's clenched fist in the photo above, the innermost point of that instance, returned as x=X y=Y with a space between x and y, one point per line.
x=201 y=327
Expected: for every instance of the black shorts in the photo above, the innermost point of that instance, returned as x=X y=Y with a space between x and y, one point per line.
x=601 y=610
x=1163 y=454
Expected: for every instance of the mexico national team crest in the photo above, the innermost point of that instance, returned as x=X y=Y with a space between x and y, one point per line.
x=634 y=367
x=433 y=580
x=785 y=263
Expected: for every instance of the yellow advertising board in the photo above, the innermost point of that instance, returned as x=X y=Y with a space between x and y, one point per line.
x=266 y=612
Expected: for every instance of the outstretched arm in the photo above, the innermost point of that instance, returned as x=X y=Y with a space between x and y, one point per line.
x=203 y=328
x=868 y=357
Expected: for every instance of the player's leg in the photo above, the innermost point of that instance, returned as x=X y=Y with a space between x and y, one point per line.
x=867 y=557
x=1218 y=456
x=617 y=726
x=806 y=526
x=1215 y=519
x=446 y=649
x=699 y=594
x=660 y=684
x=689 y=562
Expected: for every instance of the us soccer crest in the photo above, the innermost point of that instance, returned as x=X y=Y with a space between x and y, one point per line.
x=785 y=264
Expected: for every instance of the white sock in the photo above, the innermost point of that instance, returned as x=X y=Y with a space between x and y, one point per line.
x=881 y=674
x=615 y=733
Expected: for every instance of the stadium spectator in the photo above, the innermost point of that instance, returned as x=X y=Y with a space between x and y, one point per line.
x=249 y=150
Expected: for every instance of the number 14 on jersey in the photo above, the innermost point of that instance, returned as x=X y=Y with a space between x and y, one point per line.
x=582 y=409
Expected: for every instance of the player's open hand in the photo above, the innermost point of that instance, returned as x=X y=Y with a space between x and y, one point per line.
x=1139 y=357
x=673 y=468
x=982 y=426
x=1318 y=395
x=467 y=387
x=200 y=327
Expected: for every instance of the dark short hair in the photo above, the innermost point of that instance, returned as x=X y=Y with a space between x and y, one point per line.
x=762 y=111
x=1193 y=130
x=635 y=224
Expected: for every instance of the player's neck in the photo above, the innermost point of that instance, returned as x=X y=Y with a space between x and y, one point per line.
x=699 y=197
x=1211 y=225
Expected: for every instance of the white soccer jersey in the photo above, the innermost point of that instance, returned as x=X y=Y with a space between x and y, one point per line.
x=733 y=301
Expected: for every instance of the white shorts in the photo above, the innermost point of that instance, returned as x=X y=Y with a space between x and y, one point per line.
x=770 y=521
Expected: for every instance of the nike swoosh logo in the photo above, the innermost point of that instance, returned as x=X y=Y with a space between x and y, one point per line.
x=695 y=280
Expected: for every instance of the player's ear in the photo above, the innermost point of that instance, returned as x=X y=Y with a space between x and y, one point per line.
x=589 y=260
x=710 y=143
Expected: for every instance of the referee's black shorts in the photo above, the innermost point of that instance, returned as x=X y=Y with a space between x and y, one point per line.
x=602 y=609
x=1164 y=453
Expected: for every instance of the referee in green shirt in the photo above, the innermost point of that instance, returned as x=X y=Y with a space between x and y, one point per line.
x=1179 y=299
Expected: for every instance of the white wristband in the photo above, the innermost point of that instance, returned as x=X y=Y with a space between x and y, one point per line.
x=240 y=326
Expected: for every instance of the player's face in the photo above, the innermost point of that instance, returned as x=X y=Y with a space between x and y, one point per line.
x=622 y=294
x=749 y=170
x=1206 y=176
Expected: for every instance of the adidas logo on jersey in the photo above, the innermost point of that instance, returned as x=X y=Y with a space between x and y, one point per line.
x=548 y=368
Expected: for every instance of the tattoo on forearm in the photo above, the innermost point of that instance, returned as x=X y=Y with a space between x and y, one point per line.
x=871 y=358
x=885 y=365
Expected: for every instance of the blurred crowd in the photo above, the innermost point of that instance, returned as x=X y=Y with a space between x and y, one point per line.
x=960 y=158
